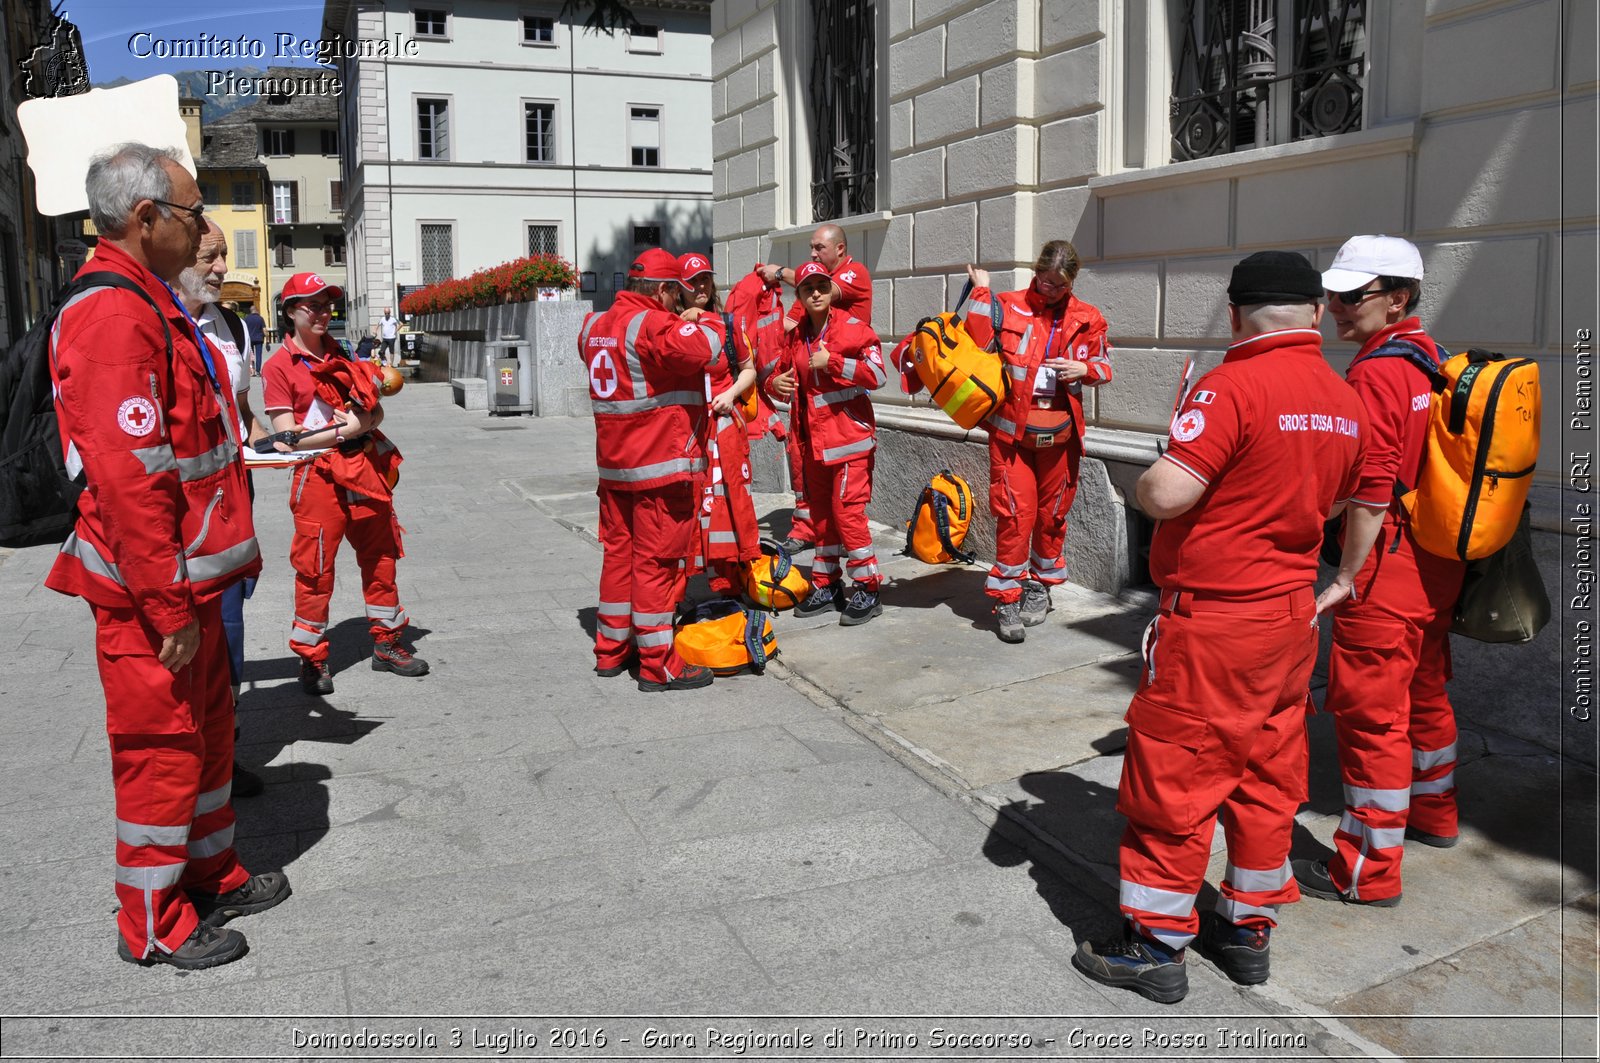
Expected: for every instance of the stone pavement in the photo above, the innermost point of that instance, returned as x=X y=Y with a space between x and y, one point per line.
x=903 y=819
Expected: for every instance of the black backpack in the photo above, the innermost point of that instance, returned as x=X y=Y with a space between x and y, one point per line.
x=38 y=498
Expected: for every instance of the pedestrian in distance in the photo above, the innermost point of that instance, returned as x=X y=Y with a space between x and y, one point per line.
x=647 y=383
x=1263 y=448
x=1053 y=345
x=826 y=369
x=256 y=326
x=344 y=493
x=388 y=330
x=729 y=534
x=1392 y=600
x=147 y=414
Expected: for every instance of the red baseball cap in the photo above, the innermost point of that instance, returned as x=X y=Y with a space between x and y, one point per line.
x=305 y=285
x=654 y=264
x=691 y=266
x=809 y=270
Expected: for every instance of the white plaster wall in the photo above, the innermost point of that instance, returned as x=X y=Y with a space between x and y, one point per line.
x=591 y=192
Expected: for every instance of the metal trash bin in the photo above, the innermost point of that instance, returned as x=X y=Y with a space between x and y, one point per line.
x=509 y=370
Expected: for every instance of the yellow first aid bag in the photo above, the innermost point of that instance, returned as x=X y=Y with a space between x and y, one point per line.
x=727 y=637
x=935 y=532
x=967 y=380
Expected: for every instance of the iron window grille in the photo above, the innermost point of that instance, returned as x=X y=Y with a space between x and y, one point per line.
x=438 y=255
x=844 y=151
x=542 y=240
x=1255 y=72
x=647 y=236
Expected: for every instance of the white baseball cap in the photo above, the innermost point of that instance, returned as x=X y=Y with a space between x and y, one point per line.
x=1363 y=259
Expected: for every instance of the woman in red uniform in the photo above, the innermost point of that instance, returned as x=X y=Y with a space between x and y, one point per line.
x=728 y=532
x=345 y=493
x=1054 y=345
x=826 y=368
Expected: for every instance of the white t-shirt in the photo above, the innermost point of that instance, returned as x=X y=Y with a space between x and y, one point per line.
x=216 y=332
x=388 y=327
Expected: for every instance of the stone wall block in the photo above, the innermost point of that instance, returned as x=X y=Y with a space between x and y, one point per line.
x=1520 y=44
x=1143 y=386
x=947 y=111
x=726 y=52
x=1197 y=299
x=1068 y=20
x=743 y=172
x=917 y=62
x=1492 y=170
x=761 y=211
x=944 y=238
x=1483 y=293
x=900 y=132
x=759 y=124
x=894 y=251
x=914 y=299
x=1360 y=196
x=917 y=179
x=1068 y=81
x=725 y=137
x=1006 y=92
x=1005 y=230
x=1167 y=220
x=1069 y=149
x=727 y=218
x=1128 y=295
x=1067 y=214
x=744 y=85
x=980 y=37
x=759 y=34
x=1001 y=161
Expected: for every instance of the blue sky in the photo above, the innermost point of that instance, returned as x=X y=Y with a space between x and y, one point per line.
x=107 y=25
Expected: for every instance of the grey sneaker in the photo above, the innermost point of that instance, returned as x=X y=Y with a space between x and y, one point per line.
x=1035 y=603
x=1008 y=619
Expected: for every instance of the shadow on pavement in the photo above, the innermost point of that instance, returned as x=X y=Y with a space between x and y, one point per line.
x=960 y=589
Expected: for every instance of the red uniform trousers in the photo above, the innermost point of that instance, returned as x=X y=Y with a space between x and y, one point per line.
x=172 y=768
x=1395 y=726
x=1030 y=492
x=841 y=493
x=646 y=536
x=801 y=525
x=324 y=513
x=1217 y=726
x=729 y=530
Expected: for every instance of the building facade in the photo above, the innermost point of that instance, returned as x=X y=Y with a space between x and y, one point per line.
x=232 y=182
x=503 y=129
x=1167 y=139
x=37 y=254
x=296 y=140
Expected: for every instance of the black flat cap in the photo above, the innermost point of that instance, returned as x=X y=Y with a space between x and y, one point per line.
x=1274 y=277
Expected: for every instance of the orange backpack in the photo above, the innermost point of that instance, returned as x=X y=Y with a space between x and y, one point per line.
x=936 y=530
x=773 y=581
x=727 y=637
x=967 y=381
x=1480 y=452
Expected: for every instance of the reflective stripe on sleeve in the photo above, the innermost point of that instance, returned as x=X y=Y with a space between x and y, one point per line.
x=649 y=402
x=833 y=398
x=158 y=458
x=861 y=446
x=641 y=473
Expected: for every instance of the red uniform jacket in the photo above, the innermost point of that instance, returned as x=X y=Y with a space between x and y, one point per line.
x=1278 y=439
x=165 y=520
x=1027 y=329
x=830 y=406
x=755 y=318
x=647 y=384
x=1397 y=397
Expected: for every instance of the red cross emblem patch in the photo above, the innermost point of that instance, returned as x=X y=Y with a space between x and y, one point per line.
x=603 y=376
x=137 y=416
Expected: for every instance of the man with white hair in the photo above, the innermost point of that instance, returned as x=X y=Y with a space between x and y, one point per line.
x=163 y=528
x=1391 y=628
x=200 y=288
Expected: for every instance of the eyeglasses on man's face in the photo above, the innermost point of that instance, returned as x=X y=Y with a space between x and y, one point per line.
x=1356 y=297
x=195 y=213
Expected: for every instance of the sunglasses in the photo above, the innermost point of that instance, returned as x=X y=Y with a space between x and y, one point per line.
x=1357 y=297
x=194 y=212
x=315 y=309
